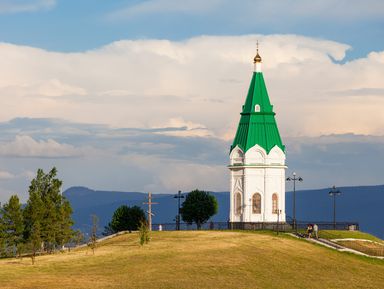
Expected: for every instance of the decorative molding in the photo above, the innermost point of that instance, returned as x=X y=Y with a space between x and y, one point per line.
x=238 y=185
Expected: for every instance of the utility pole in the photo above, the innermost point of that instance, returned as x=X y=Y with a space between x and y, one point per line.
x=150 y=214
x=178 y=197
x=334 y=193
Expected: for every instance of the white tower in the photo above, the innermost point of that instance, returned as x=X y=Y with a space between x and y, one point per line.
x=257 y=160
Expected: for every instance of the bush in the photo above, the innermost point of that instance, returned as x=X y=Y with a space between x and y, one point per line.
x=144 y=233
x=125 y=219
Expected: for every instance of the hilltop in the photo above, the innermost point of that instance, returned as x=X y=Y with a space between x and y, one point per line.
x=197 y=259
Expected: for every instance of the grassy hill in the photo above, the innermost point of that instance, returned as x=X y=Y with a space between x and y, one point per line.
x=191 y=259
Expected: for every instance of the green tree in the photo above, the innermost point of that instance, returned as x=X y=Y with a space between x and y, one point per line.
x=35 y=240
x=198 y=207
x=13 y=225
x=53 y=210
x=65 y=221
x=126 y=219
x=49 y=225
x=33 y=214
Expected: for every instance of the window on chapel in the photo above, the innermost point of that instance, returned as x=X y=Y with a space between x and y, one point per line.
x=237 y=204
x=275 y=204
x=256 y=204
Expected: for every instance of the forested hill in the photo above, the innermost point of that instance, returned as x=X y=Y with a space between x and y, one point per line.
x=363 y=204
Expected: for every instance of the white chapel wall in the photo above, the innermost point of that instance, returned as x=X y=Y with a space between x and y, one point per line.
x=261 y=173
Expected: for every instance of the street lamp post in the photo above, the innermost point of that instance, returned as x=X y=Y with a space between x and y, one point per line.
x=334 y=192
x=278 y=220
x=178 y=197
x=294 y=179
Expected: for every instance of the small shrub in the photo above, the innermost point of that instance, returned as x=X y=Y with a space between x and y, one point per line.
x=93 y=238
x=144 y=233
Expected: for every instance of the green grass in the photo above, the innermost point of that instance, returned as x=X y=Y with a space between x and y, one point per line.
x=335 y=234
x=206 y=259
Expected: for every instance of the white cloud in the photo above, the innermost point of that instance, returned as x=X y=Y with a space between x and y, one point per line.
x=18 y=6
x=164 y=6
x=187 y=177
x=6 y=194
x=54 y=87
x=178 y=175
x=202 y=80
x=4 y=175
x=25 y=146
x=142 y=160
x=45 y=89
x=28 y=175
x=186 y=128
x=261 y=11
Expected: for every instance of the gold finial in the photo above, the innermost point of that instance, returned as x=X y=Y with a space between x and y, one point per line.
x=257 y=58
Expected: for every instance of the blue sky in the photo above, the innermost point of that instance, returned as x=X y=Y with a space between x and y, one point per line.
x=146 y=95
x=73 y=25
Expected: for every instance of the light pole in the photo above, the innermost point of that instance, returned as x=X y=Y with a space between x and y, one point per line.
x=178 y=197
x=294 y=179
x=334 y=192
x=278 y=220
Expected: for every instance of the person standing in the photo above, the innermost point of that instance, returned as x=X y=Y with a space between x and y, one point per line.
x=316 y=231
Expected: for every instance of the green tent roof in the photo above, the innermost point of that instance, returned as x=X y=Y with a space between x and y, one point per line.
x=257 y=122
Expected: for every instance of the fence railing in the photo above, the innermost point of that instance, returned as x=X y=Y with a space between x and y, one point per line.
x=187 y=227
x=287 y=226
x=352 y=226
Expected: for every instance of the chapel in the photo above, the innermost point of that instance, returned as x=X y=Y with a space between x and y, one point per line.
x=257 y=159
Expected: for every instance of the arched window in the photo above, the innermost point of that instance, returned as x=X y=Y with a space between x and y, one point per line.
x=256 y=203
x=275 y=203
x=238 y=204
x=238 y=157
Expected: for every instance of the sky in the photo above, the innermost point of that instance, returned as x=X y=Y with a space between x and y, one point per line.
x=146 y=95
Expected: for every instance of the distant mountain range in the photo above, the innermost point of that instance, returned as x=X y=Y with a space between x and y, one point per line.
x=86 y=202
x=364 y=204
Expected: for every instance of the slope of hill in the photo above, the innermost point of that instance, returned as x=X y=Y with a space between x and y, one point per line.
x=205 y=259
x=361 y=204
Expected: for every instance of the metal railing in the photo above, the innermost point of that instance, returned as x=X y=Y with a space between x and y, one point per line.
x=187 y=227
x=352 y=226
x=283 y=227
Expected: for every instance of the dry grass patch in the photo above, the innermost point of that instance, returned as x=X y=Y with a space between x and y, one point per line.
x=369 y=248
x=338 y=234
x=205 y=259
